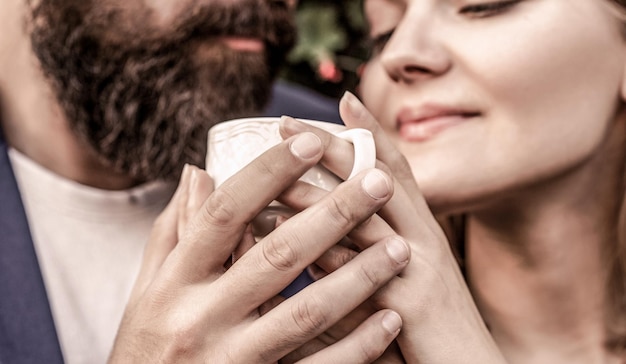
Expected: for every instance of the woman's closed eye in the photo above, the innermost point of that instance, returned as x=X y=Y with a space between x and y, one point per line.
x=487 y=9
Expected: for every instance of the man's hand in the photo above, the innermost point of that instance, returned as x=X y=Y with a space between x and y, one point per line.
x=186 y=307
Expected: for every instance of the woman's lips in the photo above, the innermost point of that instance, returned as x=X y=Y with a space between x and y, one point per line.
x=244 y=44
x=424 y=124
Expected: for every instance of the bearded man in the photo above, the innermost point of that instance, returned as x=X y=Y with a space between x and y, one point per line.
x=102 y=103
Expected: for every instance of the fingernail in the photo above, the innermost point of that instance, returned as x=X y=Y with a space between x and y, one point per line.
x=291 y=125
x=392 y=322
x=306 y=146
x=398 y=250
x=354 y=105
x=375 y=184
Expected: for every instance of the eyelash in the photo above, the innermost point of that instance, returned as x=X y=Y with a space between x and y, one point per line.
x=488 y=9
x=378 y=42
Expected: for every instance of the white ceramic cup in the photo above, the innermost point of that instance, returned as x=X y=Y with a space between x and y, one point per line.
x=235 y=143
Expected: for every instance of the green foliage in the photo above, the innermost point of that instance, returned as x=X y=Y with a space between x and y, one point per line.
x=331 y=46
x=320 y=35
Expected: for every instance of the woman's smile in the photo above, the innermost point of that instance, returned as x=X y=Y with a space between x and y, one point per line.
x=426 y=121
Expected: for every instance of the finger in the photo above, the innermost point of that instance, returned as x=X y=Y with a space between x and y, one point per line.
x=363 y=345
x=283 y=254
x=304 y=351
x=395 y=212
x=397 y=217
x=270 y=304
x=333 y=146
x=409 y=215
x=355 y=115
x=200 y=188
x=338 y=156
x=338 y=153
x=393 y=355
x=163 y=238
x=218 y=227
x=408 y=201
x=182 y=200
x=301 y=195
x=247 y=242
x=334 y=334
x=323 y=303
x=316 y=272
x=334 y=258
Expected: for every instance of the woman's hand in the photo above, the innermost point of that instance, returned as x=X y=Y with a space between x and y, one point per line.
x=187 y=307
x=441 y=321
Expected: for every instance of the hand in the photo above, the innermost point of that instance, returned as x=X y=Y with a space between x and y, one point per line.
x=441 y=321
x=187 y=307
x=339 y=330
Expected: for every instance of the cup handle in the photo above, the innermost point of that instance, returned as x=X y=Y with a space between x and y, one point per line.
x=364 y=149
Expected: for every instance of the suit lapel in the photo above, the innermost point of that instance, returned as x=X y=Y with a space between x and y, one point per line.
x=27 y=333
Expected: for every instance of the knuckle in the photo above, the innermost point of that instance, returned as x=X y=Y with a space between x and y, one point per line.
x=279 y=253
x=340 y=213
x=344 y=257
x=309 y=192
x=265 y=167
x=182 y=344
x=309 y=317
x=368 y=277
x=302 y=193
x=181 y=334
x=220 y=208
x=371 y=352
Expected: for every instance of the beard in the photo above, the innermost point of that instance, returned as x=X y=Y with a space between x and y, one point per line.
x=142 y=100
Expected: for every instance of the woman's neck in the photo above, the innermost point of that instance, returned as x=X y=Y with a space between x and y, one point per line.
x=537 y=263
x=541 y=291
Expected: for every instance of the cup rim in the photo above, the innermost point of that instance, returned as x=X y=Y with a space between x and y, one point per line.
x=270 y=119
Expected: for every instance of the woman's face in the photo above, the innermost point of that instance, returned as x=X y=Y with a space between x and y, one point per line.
x=485 y=97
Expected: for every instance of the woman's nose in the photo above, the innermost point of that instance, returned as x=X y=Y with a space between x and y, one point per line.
x=414 y=53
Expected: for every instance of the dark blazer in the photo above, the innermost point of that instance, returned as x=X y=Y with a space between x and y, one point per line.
x=27 y=332
x=299 y=102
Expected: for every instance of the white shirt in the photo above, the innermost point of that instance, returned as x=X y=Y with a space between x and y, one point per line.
x=89 y=244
